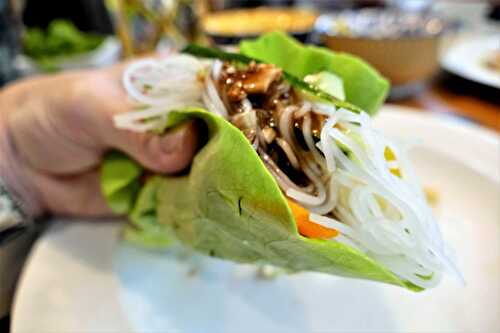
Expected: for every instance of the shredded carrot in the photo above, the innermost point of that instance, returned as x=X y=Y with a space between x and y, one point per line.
x=306 y=227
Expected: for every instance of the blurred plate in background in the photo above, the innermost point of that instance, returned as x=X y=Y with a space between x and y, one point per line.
x=467 y=58
x=79 y=278
x=229 y=27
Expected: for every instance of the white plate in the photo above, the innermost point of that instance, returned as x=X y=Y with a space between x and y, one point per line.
x=81 y=279
x=465 y=58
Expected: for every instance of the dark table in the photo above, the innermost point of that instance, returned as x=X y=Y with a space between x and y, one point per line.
x=4 y=324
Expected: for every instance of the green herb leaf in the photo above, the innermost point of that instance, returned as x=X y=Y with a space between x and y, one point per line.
x=301 y=84
x=215 y=53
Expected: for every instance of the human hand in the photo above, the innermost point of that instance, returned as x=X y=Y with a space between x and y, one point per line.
x=54 y=131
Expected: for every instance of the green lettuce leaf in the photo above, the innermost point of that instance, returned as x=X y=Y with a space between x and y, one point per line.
x=120 y=182
x=364 y=86
x=143 y=227
x=126 y=195
x=230 y=206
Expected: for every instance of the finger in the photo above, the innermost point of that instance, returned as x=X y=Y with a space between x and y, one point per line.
x=74 y=196
x=63 y=153
x=168 y=153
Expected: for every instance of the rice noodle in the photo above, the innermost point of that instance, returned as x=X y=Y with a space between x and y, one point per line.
x=286 y=123
x=217 y=69
x=155 y=85
x=164 y=78
x=212 y=98
x=403 y=235
x=246 y=105
x=331 y=201
x=304 y=109
x=332 y=223
x=283 y=180
x=289 y=152
x=308 y=138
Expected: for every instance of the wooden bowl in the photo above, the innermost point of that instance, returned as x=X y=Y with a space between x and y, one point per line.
x=402 y=46
x=402 y=61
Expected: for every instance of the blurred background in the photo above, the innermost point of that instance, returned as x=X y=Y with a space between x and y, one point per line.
x=442 y=56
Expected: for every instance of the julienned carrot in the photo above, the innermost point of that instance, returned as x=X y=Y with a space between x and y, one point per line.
x=306 y=227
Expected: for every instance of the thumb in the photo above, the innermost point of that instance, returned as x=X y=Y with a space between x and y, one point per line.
x=168 y=153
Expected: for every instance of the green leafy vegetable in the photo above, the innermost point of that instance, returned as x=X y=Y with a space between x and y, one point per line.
x=301 y=84
x=125 y=194
x=328 y=82
x=120 y=182
x=364 y=86
x=144 y=228
x=61 y=39
x=215 y=53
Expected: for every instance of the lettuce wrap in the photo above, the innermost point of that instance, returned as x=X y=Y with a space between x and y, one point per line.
x=233 y=203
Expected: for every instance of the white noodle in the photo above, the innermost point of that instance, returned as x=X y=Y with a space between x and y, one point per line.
x=213 y=98
x=288 y=152
x=285 y=123
x=401 y=234
x=306 y=199
x=304 y=109
x=328 y=148
x=332 y=199
x=329 y=222
x=155 y=84
x=246 y=105
x=217 y=69
x=283 y=180
x=308 y=138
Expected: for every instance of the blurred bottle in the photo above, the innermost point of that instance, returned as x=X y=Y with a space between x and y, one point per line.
x=144 y=26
